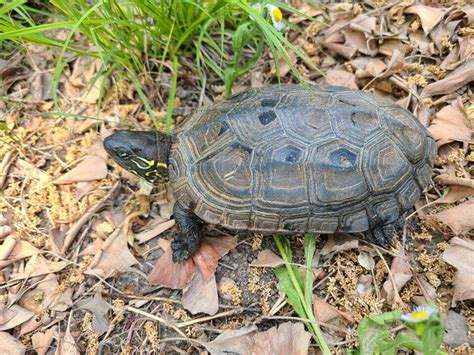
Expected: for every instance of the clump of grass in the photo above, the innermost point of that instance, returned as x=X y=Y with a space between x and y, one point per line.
x=146 y=37
x=422 y=330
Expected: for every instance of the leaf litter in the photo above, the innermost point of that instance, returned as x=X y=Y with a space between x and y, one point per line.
x=67 y=229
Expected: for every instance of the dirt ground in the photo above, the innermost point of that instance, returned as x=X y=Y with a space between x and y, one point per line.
x=85 y=253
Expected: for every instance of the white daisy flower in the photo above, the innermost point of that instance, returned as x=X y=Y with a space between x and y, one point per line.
x=420 y=314
x=277 y=16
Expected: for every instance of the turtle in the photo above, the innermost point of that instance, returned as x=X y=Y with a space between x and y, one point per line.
x=286 y=158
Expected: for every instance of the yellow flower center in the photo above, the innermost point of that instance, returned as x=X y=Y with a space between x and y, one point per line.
x=419 y=315
x=277 y=15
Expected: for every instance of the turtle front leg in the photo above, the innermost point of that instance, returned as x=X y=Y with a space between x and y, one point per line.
x=189 y=236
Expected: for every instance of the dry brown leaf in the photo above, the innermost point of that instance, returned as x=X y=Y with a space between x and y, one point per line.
x=145 y=236
x=460 y=254
x=11 y=345
x=66 y=345
x=364 y=23
x=13 y=316
x=93 y=167
x=201 y=296
x=288 y=338
x=168 y=273
x=92 y=248
x=429 y=16
x=106 y=262
x=456 y=193
x=41 y=341
x=451 y=124
x=459 y=218
x=324 y=312
x=51 y=299
x=306 y=9
x=358 y=41
x=455 y=80
x=99 y=309
x=283 y=66
x=39 y=265
x=232 y=341
x=375 y=67
x=209 y=253
x=341 y=78
x=401 y=272
x=267 y=258
x=12 y=250
x=346 y=51
x=339 y=242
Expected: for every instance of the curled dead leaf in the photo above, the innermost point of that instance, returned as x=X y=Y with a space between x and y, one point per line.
x=459 y=218
x=452 y=82
x=429 y=16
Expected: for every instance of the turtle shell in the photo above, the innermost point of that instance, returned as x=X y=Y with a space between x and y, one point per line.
x=290 y=158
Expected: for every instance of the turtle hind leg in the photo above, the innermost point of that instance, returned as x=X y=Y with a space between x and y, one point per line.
x=189 y=236
x=383 y=235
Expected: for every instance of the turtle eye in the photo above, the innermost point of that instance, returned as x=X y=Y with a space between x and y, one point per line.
x=122 y=154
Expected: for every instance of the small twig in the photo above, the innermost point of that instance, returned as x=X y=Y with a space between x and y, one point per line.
x=156 y=318
x=7 y=161
x=205 y=319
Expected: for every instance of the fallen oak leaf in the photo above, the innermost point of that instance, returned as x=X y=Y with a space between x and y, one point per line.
x=99 y=309
x=66 y=344
x=209 y=253
x=232 y=341
x=92 y=167
x=39 y=265
x=287 y=338
x=106 y=262
x=267 y=258
x=41 y=341
x=51 y=299
x=324 y=312
x=451 y=124
x=339 y=242
x=168 y=273
x=460 y=254
x=459 y=218
x=201 y=296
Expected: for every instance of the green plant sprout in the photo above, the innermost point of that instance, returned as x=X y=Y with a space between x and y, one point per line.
x=144 y=38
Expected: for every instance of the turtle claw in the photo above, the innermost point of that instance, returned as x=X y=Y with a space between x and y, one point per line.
x=382 y=236
x=181 y=251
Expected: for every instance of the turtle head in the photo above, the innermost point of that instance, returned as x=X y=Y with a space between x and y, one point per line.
x=143 y=153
